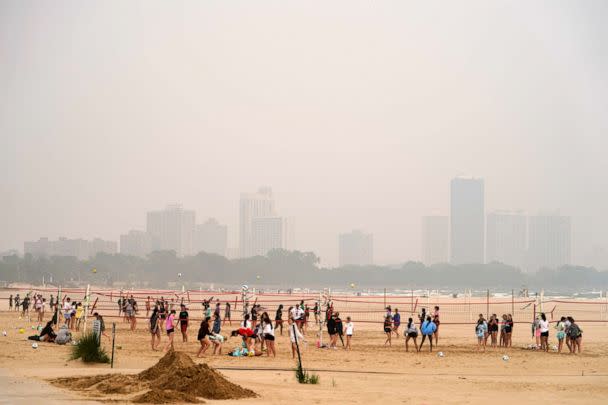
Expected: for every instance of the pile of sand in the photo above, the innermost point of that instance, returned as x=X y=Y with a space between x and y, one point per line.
x=175 y=378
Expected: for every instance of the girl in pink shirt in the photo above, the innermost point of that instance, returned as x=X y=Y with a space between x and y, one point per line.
x=170 y=330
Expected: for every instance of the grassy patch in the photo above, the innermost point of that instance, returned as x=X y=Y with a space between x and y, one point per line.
x=89 y=350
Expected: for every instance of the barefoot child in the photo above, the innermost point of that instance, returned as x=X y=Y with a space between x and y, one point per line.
x=349 y=332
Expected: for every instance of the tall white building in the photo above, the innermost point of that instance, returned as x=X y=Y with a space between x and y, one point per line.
x=271 y=233
x=356 y=248
x=435 y=239
x=172 y=229
x=549 y=241
x=506 y=238
x=211 y=237
x=467 y=220
x=135 y=243
x=252 y=206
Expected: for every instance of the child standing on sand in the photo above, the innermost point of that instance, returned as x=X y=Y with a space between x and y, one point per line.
x=349 y=332
x=388 y=322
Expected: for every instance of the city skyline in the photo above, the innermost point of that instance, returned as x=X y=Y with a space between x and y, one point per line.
x=512 y=237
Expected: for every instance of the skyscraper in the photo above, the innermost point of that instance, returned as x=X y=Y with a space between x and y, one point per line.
x=356 y=248
x=549 y=241
x=211 y=237
x=135 y=243
x=467 y=220
x=172 y=229
x=435 y=239
x=506 y=238
x=253 y=205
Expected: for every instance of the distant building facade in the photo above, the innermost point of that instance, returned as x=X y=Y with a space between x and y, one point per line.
x=135 y=243
x=435 y=239
x=467 y=220
x=506 y=238
x=252 y=206
x=79 y=248
x=211 y=237
x=172 y=229
x=549 y=241
x=271 y=233
x=356 y=248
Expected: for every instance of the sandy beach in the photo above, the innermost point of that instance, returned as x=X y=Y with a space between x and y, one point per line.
x=370 y=373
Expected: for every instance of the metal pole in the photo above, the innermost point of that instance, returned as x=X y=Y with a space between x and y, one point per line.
x=412 y=301
x=86 y=308
x=488 y=304
x=113 y=338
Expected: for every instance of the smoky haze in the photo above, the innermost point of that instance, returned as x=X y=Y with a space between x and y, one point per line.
x=357 y=114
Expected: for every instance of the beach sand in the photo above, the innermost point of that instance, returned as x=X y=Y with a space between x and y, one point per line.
x=370 y=373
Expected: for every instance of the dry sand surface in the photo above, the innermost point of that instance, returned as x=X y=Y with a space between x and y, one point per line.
x=370 y=373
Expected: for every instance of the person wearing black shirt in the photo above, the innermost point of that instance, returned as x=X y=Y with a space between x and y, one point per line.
x=183 y=322
x=278 y=319
x=47 y=334
x=203 y=337
x=339 y=328
x=331 y=329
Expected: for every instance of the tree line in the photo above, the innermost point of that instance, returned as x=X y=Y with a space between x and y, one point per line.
x=284 y=269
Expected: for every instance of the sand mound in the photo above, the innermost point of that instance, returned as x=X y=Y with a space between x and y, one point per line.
x=156 y=396
x=175 y=378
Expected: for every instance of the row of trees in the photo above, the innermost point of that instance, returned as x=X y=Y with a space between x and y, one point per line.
x=285 y=269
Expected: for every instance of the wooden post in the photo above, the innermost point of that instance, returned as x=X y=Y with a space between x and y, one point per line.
x=542 y=297
x=512 y=302
x=385 y=298
x=113 y=338
x=295 y=336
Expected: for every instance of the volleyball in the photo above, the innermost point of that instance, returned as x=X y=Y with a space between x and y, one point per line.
x=257 y=277
x=505 y=358
x=94 y=270
x=179 y=274
x=352 y=285
x=3 y=333
x=21 y=330
x=34 y=345
x=244 y=287
x=440 y=354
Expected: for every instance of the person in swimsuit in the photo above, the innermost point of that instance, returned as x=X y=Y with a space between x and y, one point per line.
x=411 y=333
x=503 y=334
x=436 y=322
x=576 y=336
x=170 y=328
x=278 y=318
x=183 y=322
x=493 y=330
x=388 y=329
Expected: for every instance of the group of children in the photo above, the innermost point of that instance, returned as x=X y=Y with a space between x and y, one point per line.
x=428 y=325
x=488 y=329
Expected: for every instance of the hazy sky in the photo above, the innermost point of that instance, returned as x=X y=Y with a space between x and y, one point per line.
x=356 y=113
